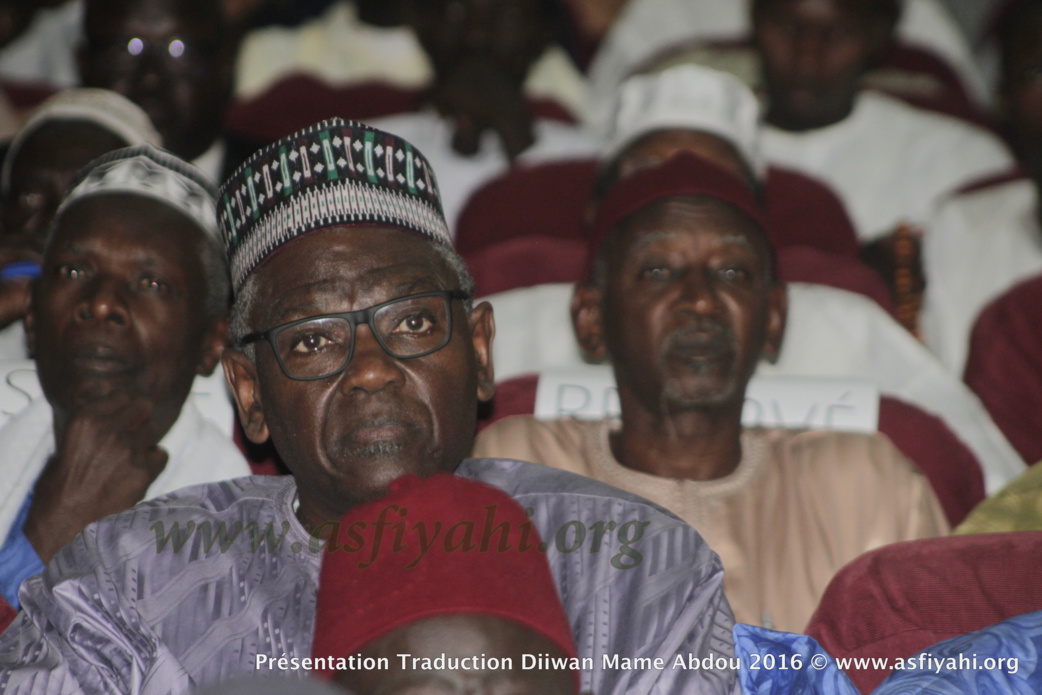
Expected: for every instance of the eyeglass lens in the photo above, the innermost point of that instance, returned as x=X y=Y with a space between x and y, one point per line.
x=408 y=327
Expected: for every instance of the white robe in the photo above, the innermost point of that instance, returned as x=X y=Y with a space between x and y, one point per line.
x=199 y=453
x=890 y=163
x=460 y=176
x=977 y=247
x=648 y=28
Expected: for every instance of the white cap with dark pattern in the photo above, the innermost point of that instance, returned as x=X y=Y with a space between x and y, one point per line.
x=150 y=172
x=332 y=174
x=687 y=97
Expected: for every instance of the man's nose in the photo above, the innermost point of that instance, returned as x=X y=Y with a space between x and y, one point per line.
x=149 y=72
x=371 y=368
x=810 y=50
x=698 y=292
x=104 y=299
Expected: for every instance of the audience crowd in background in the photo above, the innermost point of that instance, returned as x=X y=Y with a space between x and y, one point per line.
x=731 y=307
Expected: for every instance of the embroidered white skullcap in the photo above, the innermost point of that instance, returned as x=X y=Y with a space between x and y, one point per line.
x=101 y=107
x=148 y=171
x=331 y=174
x=687 y=97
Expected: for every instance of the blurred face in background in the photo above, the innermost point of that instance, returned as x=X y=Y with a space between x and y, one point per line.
x=1020 y=93
x=44 y=167
x=173 y=58
x=813 y=54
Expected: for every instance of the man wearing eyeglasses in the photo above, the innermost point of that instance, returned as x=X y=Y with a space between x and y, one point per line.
x=173 y=58
x=358 y=353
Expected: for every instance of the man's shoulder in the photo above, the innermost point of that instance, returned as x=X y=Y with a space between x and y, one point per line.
x=1016 y=507
x=563 y=494
x=905 y=121
x=250 y=500
x=218 y=497
x=529 y=432
x=836 y=455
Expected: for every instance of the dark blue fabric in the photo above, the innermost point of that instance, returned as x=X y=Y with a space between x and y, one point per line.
x=18 y=558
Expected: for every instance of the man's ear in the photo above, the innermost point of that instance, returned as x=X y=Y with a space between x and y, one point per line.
x=83 y=63
x=214 y=343
x=588 y=321
x=482 y=333
x=241 y=375
x=777 y=315
x=30 y=327
x=881 y=34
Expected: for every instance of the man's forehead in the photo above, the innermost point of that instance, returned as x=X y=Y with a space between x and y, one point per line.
x=669 y=217
x=350 y=262
x=154 y=17
x=89 y=221
x=830 y=8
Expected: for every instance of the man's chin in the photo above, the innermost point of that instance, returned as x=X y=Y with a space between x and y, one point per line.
x=87 y=391
x=699 y=391
x=384 y=470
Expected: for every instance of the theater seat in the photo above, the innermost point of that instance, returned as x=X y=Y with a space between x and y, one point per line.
x=551 y=200
x=545 y=200
x=901 y=598
x=1004 y=368
x=298 y=101
x=812 y=265
x=952 y=469
x=7 y=614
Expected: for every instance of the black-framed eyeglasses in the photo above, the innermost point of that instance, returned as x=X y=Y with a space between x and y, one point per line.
x=322 y=346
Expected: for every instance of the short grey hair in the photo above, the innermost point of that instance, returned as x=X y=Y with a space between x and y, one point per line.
x=218 y=280
x=242 y=307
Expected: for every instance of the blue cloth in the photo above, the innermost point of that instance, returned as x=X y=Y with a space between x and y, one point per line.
x=18 y=558
x=784 y=663
x=1002 y=659
x=960 y=665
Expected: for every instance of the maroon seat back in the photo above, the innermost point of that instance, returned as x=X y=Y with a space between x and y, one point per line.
x=806 y=212
x=951 y=467
x=900 y=599
x=298 y=101
x=7 y=614
x=524 y=262
x=546 y=200
x=805 y=264
x=1004 y=366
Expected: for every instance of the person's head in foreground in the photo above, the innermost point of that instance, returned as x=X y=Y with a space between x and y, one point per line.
x=486 y=607
x=813 y=54
x=63 y=135
x=356 y=350
x=173 y=58
x=131 y=305
x=682 y=298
